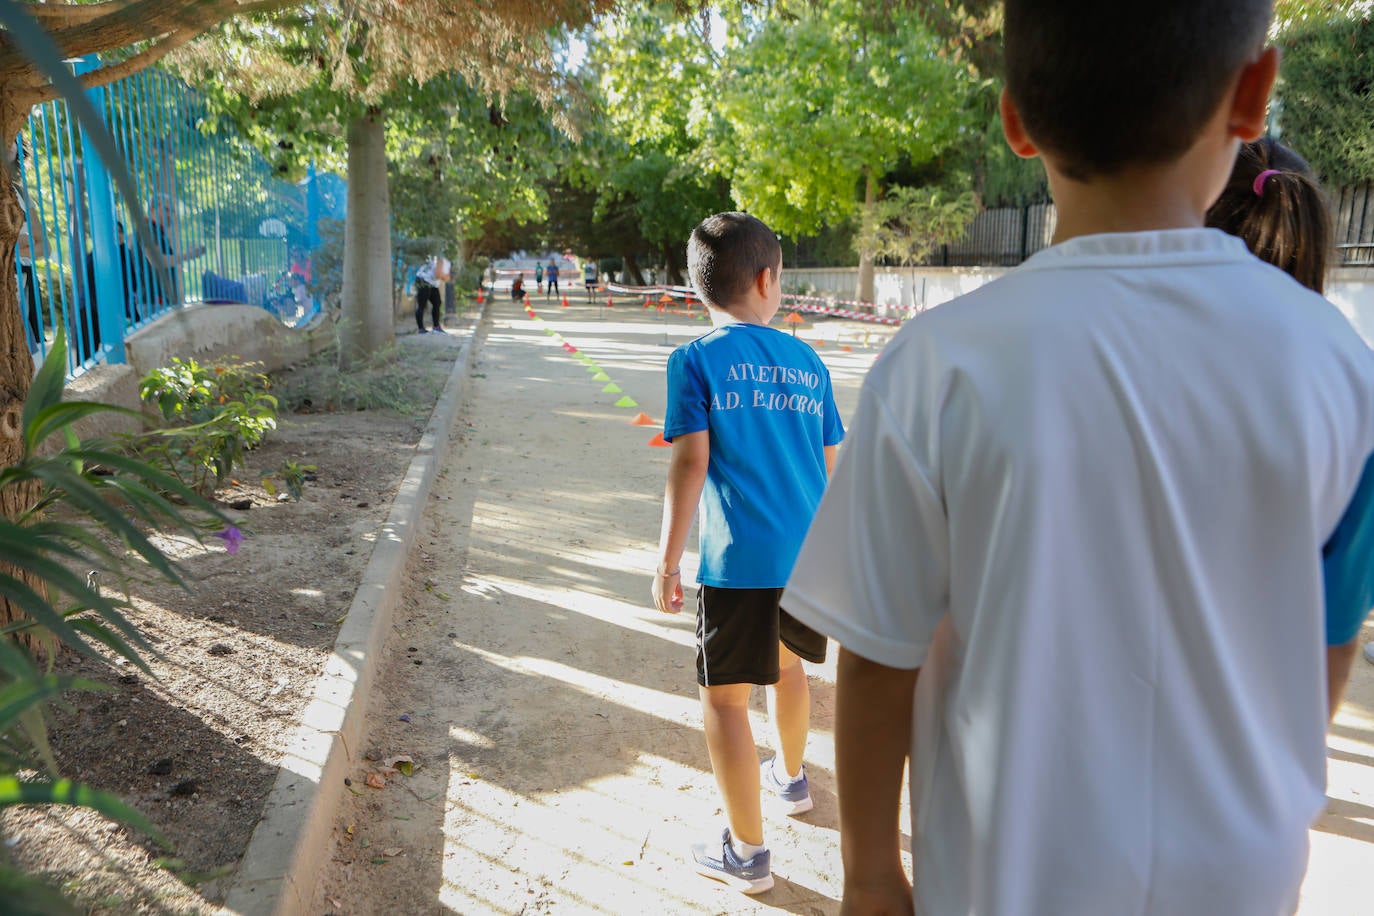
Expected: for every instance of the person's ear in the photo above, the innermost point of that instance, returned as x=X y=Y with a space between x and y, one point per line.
x=1250 y=101
x=1012 y=128
x=763 y=281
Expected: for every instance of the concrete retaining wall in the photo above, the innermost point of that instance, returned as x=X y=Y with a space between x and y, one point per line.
x=897 y=291
x=204 y=332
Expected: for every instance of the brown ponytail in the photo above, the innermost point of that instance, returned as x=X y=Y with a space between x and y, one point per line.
x=1287 y=223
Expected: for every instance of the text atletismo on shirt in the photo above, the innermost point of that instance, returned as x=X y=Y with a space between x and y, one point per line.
x=765 y=399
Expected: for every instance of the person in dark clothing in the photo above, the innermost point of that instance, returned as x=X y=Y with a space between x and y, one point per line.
x=162 y=227
x=89 y=341
x=427 y=293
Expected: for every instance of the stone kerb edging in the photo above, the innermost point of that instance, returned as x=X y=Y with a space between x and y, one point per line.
x=286 y=852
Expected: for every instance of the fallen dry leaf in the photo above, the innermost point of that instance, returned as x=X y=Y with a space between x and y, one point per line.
x=401 y=762
x=392 y=852
x=375 y=780
x=387 y=771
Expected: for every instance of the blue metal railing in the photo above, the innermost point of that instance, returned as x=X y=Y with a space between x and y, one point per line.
x=228 y=228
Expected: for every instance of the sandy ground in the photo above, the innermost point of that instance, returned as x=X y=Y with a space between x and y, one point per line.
x=196 y=745
x=552 y=716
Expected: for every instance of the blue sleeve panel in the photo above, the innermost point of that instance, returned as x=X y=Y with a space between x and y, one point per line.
x=1348 y=565
x=688 y=398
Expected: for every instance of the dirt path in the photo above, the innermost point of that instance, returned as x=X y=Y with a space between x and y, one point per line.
x=560 y=766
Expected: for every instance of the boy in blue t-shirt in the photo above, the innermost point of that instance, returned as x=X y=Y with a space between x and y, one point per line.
x=754 y=428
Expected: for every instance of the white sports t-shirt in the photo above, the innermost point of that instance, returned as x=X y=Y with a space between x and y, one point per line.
x=1107 y=477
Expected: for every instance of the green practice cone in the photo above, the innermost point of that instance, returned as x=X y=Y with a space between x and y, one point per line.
x=612 y=388
x=627 y=401
x=601 y=377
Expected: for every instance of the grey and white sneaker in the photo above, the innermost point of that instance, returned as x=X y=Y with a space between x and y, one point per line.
x=720 y=862
x=795 y=796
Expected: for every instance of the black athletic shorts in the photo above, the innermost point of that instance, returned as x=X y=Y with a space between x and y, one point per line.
x=738 y=631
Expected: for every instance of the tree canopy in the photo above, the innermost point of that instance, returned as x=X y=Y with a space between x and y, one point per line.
x=1327 y=96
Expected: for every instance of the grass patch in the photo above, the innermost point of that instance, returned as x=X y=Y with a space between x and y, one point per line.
x=402 y=380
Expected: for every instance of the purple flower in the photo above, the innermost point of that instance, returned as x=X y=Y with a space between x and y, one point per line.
x=233 y=537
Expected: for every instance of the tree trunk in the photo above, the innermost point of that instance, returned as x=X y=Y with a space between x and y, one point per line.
x=864 y=290
x=368 y=327
x=672 y=260
x=632 y=275
x=16 y=365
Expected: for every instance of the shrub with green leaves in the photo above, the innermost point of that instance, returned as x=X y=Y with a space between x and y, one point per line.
x=216 y=415
x=293 y=476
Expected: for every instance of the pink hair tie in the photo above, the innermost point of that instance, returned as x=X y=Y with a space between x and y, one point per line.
x=1260 y=179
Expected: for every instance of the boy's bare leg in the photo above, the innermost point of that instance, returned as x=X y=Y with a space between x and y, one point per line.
x=789 y=709
x=734 y=759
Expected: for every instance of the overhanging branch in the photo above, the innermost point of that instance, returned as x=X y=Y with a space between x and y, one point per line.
x=106 y=75
x=125 y=23
x=64 y=15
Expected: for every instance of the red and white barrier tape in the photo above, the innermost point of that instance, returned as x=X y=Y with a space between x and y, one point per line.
x=821 y=306
x=812 y=304
x=675 y=292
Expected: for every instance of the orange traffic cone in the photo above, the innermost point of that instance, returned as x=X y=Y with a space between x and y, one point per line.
x=565 y=302
x=480 y=299
x=659 y=442
x=646 y=301
x=643 y=420
x=847 y=349
x=610 y=302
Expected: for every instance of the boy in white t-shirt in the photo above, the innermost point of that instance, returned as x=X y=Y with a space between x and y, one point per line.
x=1112 y=508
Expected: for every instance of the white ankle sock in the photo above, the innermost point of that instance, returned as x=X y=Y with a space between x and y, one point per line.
x=780 y=771
x=745 y=851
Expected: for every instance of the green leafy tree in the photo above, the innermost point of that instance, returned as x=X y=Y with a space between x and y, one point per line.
x=817 y=106
x=458 y=162
x=910 y=223
x=1327 y=95
x=1289 y=14
x=333 y=72
x=635 y=184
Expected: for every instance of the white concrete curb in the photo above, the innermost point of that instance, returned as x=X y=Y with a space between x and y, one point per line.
x=279 y=869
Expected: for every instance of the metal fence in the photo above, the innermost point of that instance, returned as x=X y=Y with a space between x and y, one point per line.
x=1000 y=237
x=228 y=228
x=1352 y=211
x=1006 y=236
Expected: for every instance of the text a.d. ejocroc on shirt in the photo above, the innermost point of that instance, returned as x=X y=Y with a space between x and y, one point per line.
x=752 y=370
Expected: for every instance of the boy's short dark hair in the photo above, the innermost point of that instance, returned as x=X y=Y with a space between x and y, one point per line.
x=1102 y=86
x=726 y=252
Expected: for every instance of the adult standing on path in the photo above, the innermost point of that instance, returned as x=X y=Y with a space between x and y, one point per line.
x=552 y=275
x=589 y=278
x=427 y=282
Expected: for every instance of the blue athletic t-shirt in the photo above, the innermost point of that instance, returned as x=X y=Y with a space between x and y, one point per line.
x=766 y=399
x=1348 y=565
